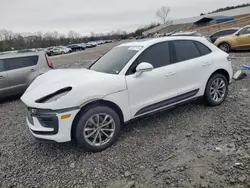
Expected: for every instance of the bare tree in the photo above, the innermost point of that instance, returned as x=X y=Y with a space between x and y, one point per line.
x=73 y=35
x=162 y=13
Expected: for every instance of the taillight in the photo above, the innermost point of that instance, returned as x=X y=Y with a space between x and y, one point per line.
x=229 y=58
x=49 y=62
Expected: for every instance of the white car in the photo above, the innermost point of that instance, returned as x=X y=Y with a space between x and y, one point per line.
x=130 y=81
x=59 y=50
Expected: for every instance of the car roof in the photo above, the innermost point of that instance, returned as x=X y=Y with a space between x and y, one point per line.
x=185 y=33
x=149 y=42
x=233 y=28
x=25 y=54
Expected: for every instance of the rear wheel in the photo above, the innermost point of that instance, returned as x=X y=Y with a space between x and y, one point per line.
x=216 y=90
x=62 y=53
x=97 y=129
x=225 y=47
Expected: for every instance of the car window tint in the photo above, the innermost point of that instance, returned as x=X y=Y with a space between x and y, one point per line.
x=1 y=65
x=229 y=32
x=204 y=50
x=157 y=55
x=185 y=50
x=217 y=34
x=245 y=31
x=20 y=62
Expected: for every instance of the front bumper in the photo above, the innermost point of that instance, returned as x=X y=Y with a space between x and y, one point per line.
x=48 y=125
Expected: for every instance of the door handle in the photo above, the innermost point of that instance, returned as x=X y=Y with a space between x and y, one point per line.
x=206 y=64
x=2 y=77
x=32 y=70
x=170 y=74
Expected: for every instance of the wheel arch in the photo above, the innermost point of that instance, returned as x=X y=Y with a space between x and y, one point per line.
x=219 y=71
x=227 y=42
x=97 y=102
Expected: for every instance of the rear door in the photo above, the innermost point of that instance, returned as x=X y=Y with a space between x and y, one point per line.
x=4 y=86
x=192 y=64
x=21 y=72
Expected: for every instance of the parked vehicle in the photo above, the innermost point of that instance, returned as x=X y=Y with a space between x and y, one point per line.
x=76 y=47
x=17 y=71
x=130 y=81
x=238 y=40
x=83 y=45
x=26 y=50
x=66 y=49
x=222 y=33
x=88 y=45
x=93 y=44
x=59 y=50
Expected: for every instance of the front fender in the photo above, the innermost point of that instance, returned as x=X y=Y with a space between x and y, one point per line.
x=121 y=99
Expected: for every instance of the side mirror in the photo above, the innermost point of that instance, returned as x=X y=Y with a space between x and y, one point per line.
x=143 y=67
x=237 y=34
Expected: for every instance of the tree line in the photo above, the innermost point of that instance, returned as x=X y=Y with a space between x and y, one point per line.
x=15 y=41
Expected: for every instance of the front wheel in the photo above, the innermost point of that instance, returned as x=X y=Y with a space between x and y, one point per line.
x=97 y=129
x=216 y=90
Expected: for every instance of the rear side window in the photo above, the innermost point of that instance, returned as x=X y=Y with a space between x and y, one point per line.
x=185 y=50
x=21 y=62
x=1 y=65
x=204 y=50
x=220 y=33
x=229 y=32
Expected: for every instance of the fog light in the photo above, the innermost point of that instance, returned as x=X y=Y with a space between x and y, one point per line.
x=66 y=116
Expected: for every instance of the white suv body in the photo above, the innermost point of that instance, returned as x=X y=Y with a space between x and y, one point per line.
x=130 y=81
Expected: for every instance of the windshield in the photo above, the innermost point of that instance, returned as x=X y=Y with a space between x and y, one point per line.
x=114 y=61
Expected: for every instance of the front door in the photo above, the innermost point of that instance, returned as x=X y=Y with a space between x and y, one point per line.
x=243 y=38
x=151 y=90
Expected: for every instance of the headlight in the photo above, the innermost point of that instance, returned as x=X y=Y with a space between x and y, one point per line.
x=55 y=96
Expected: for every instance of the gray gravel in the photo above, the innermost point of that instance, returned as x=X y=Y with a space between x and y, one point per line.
x=190 y=146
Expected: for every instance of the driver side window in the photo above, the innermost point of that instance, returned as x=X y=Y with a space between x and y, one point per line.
x=158 y=55
x=245 y=31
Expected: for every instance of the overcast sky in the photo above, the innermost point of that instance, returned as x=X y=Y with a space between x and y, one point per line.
x=85 y=16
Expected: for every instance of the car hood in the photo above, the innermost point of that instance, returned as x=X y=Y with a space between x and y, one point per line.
x=86 y=85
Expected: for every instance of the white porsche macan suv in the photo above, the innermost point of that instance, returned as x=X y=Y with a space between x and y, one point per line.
x=130 y=81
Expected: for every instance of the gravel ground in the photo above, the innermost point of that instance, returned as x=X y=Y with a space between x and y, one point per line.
x=190 y=146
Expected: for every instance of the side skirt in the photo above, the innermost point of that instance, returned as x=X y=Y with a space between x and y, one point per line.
x=161 y=110
x=167 y=102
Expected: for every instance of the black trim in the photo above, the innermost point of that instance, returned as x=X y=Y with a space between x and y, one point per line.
x=44 y=99
x=41 y=140
x=49 y=111
x=167 y=102
x=161 y=110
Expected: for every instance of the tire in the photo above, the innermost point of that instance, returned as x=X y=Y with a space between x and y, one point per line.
x=225 y=47
x=85 y=123
x=62 y=53
x=210 y=93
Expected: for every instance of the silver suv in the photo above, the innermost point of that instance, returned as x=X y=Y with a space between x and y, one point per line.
x=17 y=71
